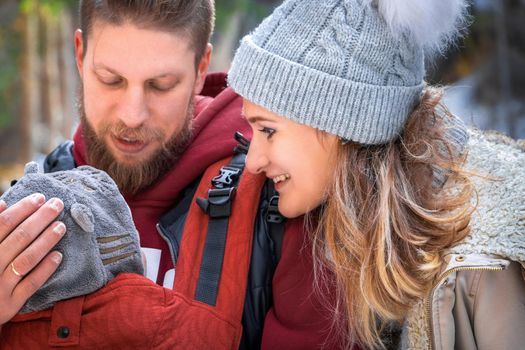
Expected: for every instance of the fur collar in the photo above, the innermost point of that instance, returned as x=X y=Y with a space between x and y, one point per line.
x=498 y=224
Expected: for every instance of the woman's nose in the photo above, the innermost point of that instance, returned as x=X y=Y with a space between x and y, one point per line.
x=256 y=160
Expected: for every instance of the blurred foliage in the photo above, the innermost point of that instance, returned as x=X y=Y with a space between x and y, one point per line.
x=49 y=7
x=224 y=10
x=10 y=48
x=477 y=48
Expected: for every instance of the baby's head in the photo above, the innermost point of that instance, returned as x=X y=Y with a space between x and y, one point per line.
x=101 y=239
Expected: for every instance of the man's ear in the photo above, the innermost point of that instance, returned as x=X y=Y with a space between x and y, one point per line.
x=202 y=69
x=79 y=51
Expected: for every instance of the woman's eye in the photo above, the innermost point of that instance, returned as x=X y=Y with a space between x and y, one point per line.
x=267 y=131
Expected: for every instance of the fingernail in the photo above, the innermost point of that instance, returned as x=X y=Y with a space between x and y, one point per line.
x=3 y=205
x=60 y=229
x=38 y=199
x=56 y=204
x=57 y=257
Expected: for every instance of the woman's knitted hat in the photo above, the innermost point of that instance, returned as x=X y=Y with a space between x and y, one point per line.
x=353 y=68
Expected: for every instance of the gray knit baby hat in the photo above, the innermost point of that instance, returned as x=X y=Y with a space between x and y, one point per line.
x=101 y=239
x=353 y=68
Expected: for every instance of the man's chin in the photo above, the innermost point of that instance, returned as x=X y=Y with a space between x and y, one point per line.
x=131 y=174
x=135 y=171
x=128 y=164
x=130 y=159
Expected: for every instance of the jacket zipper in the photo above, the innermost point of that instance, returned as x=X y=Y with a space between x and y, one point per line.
x=428 y=301
x=161 y=233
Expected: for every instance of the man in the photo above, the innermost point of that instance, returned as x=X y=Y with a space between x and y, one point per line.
x=155 y=121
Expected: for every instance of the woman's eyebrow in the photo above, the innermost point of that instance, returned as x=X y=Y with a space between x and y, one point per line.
x=257 y=118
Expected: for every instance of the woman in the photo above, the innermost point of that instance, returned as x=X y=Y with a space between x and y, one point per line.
x=416 y=218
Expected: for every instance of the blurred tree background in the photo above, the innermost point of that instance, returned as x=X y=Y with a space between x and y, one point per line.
x=38 y=79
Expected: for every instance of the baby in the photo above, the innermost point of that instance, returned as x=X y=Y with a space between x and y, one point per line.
x=101 y=239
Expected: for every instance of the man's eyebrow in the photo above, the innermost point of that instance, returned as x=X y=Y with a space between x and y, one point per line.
x=113 y=71
x=98 y=66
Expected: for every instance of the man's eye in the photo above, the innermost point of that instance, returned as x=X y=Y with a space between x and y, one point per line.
x=161 y=87
x=268 y=131
x=114 y=82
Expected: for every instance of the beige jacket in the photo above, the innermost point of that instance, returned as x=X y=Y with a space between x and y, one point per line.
x=479 y=300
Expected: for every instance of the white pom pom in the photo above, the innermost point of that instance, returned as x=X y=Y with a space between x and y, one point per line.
x=433 y=24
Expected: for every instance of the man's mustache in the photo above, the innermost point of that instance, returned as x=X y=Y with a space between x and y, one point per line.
x=140 y=134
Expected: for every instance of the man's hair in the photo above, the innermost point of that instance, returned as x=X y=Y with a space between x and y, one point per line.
x=191 y=18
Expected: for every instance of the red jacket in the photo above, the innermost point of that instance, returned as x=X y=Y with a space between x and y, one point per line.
x=131 y=312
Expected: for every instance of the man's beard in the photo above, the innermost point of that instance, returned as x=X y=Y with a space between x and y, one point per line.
x=132 y=178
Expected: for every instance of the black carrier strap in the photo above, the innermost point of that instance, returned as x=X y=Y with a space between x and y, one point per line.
x=218 y=207
x=275 y=220
x=266 y=248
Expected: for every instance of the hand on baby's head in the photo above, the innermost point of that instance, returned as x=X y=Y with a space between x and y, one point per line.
x=101 y=239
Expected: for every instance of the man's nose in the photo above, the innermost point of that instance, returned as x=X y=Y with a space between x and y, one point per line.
x=134 y=110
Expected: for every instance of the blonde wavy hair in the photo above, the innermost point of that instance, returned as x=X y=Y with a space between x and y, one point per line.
x=386 y=224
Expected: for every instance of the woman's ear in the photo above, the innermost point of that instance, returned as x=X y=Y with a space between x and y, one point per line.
x=329 y=141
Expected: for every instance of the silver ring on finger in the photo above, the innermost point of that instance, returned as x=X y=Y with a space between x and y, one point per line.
x=14 y=270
